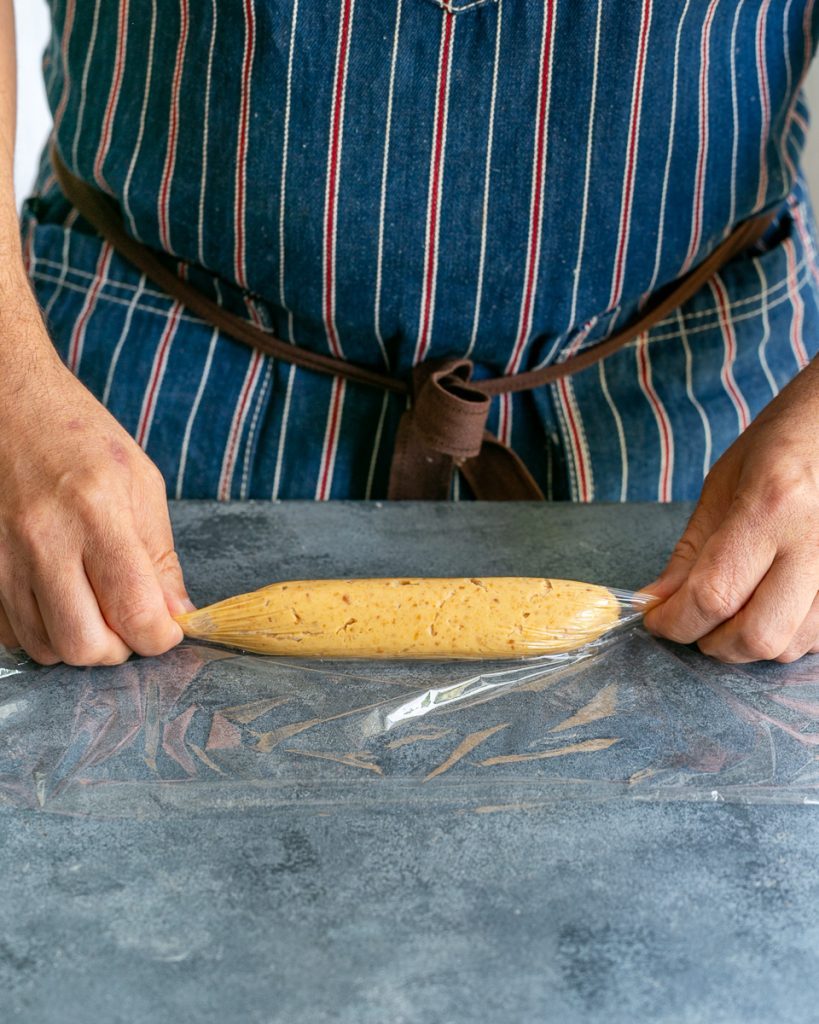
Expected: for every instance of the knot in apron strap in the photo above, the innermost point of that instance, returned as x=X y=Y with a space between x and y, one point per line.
x=448 y=412
x=445 y=428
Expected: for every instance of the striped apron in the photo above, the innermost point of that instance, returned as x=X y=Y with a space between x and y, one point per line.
x=387 y=182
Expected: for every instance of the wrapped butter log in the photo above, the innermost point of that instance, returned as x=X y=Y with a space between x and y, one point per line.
x=493 y=617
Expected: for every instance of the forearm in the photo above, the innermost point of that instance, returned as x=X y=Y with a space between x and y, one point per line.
x=23 y=339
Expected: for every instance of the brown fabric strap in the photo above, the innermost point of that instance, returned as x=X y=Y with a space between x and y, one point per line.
x=445 y=425
x=103 y=214
x=499 y=474
x=663 y=303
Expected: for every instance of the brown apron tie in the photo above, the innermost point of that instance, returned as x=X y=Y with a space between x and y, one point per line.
x=444 y=427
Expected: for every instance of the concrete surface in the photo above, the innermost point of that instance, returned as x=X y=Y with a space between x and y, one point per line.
x=393 y=899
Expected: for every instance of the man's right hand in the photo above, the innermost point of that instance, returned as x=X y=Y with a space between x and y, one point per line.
x=88 y=570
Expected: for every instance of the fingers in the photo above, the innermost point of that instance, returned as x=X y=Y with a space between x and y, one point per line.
x=26 y=624
x=770 y=622
x=96 y=615
x=77 y=576
x=71 y=616
x=129 y=593
x=7 y=637
x=806 y=639
x=91 y=596
x=719 y=582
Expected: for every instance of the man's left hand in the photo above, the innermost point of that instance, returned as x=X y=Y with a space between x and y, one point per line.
x=742 y=582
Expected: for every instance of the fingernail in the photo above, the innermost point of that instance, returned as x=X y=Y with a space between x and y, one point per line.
x=647 y=601
x=661 y=588
x=179 y=605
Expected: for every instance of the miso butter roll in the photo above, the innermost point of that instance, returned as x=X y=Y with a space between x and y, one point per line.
x=489 y=618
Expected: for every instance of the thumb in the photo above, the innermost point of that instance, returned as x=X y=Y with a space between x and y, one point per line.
x=171 y=580
x=702 y=524
x=168 y=569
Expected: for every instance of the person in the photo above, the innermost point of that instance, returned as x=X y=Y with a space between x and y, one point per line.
x=505 y=180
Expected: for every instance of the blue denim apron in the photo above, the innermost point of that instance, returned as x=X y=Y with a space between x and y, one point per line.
x=401 y=180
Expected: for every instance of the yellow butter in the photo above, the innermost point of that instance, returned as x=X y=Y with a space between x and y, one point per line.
x=493 y=617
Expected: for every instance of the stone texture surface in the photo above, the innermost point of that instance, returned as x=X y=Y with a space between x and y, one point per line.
x=411 y=909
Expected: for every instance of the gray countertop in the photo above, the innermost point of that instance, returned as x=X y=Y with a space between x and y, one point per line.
x=204 y=837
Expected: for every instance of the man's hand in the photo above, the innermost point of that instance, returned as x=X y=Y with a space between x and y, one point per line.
x=743 y=579
x=88 y=571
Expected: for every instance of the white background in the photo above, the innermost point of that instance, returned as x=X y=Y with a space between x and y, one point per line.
x=32 y=116
x=32 y=28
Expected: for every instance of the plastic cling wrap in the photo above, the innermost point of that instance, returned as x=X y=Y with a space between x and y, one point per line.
x=461 y=618
x=204 y=729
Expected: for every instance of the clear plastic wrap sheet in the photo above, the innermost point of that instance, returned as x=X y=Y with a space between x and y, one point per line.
x=203 y=729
